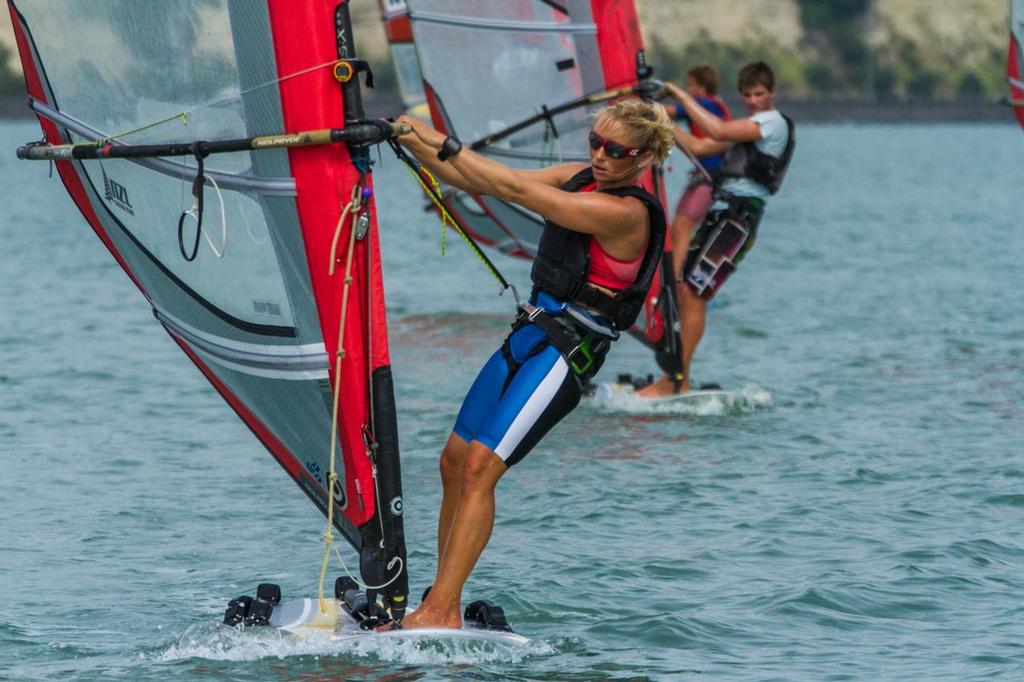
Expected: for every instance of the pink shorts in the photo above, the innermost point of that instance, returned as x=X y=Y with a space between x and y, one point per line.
x=695 y=202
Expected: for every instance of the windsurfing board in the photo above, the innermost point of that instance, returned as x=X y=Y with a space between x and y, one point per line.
x=611 y=390
x=302 y=616
x=708 y=399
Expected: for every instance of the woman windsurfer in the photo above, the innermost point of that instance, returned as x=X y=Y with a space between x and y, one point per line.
x=601 y=245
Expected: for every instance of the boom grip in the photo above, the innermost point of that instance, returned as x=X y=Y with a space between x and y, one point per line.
x=44 y=152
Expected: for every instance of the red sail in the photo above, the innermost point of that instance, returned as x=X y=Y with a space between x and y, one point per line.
x=518 y=92
x=254 y=306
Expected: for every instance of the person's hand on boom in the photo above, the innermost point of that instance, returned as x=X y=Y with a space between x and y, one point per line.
x=425 y=133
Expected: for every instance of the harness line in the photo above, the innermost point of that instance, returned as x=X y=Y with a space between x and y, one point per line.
x=428 y=183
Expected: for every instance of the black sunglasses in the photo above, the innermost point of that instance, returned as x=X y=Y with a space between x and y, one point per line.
x=612 y=149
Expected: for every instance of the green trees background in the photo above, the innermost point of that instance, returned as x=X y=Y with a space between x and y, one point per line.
x=836 y=60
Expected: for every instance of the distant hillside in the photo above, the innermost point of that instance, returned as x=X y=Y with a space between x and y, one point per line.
x=823 y=49
x=887 y=49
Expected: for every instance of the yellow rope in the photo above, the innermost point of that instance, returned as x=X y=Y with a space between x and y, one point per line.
x=434 y=191
x=184 y=115
x=332 y=476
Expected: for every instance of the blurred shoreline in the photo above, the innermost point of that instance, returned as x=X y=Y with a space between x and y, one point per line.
x=14 y=107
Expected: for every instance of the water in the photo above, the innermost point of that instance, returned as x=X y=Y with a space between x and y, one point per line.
x=866 y=524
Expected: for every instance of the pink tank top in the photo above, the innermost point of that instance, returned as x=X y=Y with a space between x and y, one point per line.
x=608 y=271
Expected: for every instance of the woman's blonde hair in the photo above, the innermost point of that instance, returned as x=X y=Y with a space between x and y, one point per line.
x=647 y=122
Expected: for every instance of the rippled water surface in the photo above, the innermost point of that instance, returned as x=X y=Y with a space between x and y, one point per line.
x=864 y=523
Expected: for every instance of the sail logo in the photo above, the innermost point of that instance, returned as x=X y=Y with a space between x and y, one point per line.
x=338 y=494
x=117 y=194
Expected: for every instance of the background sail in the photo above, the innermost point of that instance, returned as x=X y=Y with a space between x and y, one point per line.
x=256 y=310
x=1015 y=60
x=516 y=59
x=395 y=15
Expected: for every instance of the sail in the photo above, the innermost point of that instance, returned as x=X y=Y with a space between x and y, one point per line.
x=253 y=302
x=529 y=77
x=1015 y=60
x=395 y=15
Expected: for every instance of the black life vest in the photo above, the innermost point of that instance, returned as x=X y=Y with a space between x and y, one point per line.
x=563 y=259
x=747 y=161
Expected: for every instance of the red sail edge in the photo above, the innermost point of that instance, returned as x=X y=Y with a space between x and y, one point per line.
x=73 y=184
x=1014 y=62
x=303 y=34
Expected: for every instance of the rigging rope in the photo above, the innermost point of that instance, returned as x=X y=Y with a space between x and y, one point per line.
x=351 y=208
x=430 y=186
x=184 y=115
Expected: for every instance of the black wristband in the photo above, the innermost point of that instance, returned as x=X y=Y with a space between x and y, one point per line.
x=449 y=148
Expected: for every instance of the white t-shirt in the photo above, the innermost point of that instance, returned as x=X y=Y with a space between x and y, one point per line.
x=774 y=136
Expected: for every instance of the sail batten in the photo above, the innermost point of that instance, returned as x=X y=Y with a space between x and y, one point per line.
x=308 y=361
x=501 y=25
x=243 y=182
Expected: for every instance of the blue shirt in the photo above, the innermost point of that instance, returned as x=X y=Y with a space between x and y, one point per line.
x=709 y=162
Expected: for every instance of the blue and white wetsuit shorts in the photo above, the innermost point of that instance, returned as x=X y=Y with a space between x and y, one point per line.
x=525 y=388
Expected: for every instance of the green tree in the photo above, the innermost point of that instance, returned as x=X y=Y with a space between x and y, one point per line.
x=11 y=83
x=835 y=30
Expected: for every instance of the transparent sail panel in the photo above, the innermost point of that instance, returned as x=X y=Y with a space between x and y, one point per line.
x=244 y=281
x=407 y=67
x=515 y=57
x=151 y=72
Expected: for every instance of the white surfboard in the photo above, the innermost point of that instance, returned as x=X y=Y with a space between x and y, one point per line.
x=301 y=616
x=711 y=401
x=610 y=390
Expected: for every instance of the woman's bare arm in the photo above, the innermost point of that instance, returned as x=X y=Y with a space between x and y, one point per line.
x=427 y=156
x=594 y=213
x=554 y=176
x=590 y=212
x=425 y=142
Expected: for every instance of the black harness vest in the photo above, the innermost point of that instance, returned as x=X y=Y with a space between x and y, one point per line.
x=563 y=259
x=747 y=161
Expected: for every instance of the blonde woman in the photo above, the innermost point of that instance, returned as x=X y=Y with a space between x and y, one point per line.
x=600 y=248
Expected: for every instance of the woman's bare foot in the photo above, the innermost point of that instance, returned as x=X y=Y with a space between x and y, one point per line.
x=426 y=617
x=662 y=388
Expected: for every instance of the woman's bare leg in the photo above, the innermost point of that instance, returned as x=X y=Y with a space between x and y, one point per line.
x=469 y=532
x=453 y=459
